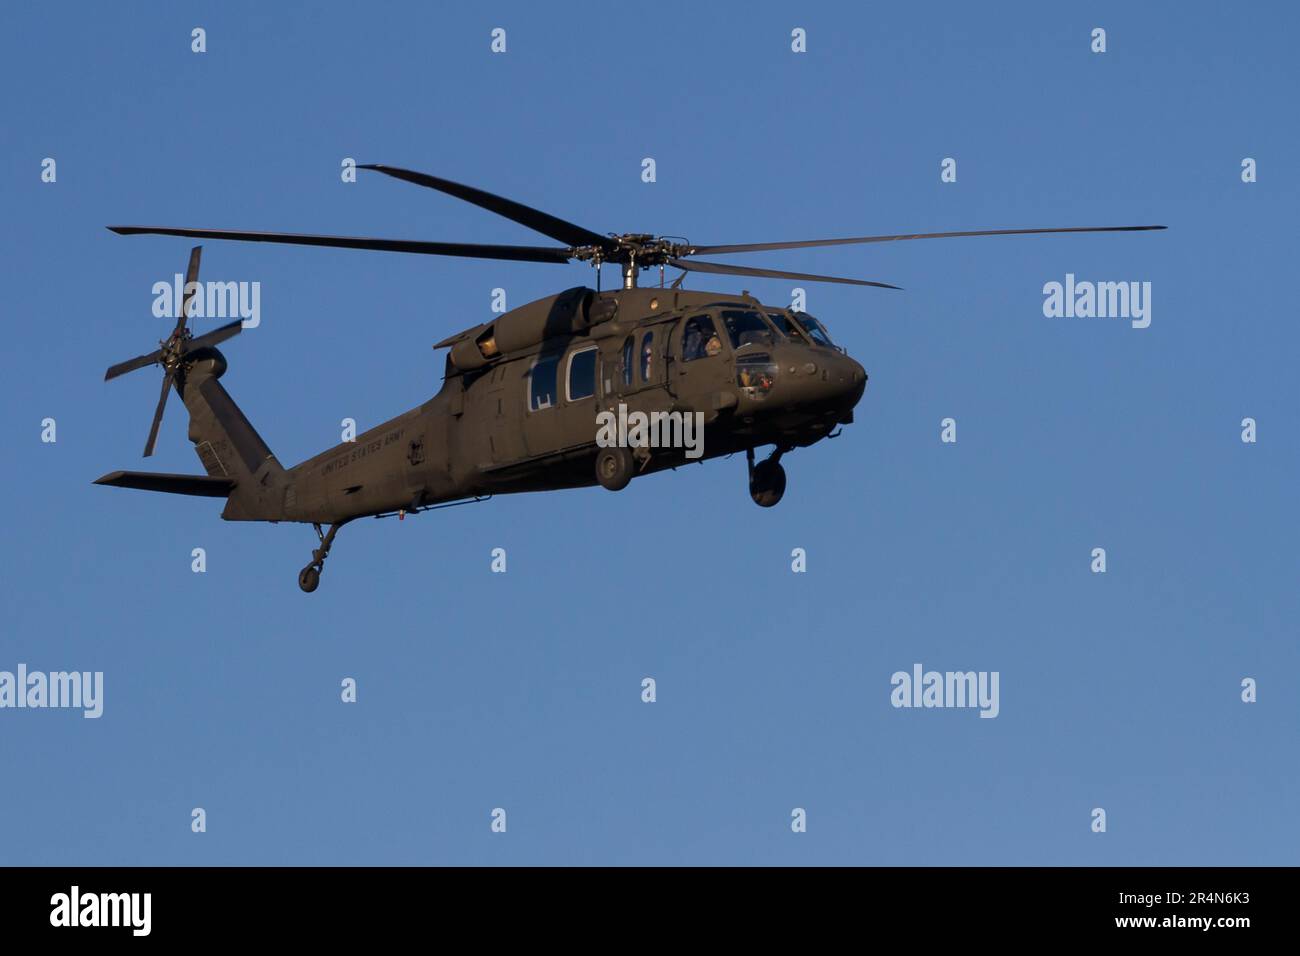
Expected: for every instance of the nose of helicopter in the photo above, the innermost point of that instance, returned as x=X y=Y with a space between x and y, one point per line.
x=830 y=380
x=825 y=382
x=855 y=377
x=846 y=381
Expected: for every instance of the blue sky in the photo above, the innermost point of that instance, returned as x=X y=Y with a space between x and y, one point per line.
x=522 y=690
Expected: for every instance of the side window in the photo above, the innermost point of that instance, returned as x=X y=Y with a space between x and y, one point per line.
x=647 y=353
x=541 y=383
x=628 y=345
x=582 y=373
x=699 y=339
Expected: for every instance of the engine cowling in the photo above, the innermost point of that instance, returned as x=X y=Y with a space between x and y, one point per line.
x=570 y=312
x=556 y=315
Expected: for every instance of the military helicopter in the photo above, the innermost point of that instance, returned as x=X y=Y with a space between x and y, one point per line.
x=522 y=394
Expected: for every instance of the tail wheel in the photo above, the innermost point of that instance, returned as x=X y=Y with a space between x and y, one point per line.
x=767 y=483
x=614 y=468
x=309 y=578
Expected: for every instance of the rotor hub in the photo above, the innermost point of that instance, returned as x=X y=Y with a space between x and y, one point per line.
x=633 y=251
x=626 y=248
x=173 y=350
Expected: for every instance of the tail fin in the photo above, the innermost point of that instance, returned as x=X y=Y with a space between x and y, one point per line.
x=230 y=447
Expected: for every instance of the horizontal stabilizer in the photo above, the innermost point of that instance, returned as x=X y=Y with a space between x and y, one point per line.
x=202 y=485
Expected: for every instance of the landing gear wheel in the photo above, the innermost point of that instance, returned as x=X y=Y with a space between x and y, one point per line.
x=767 y=483
x=309 y=577
x=614 y=468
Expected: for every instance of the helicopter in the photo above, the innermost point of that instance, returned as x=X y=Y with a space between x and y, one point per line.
x=522 y=395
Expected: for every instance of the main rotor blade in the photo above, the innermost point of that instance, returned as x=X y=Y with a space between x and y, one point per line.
x=216 y=336
x=764 y=246
x=158 y=413
x=467 y=250
x=544 y=223
x=140 y=361
x=191 y=277
x=726 y=268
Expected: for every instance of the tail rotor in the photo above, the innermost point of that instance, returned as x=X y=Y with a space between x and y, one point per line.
x=174 y=352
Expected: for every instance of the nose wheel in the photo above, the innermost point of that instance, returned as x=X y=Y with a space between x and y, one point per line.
x=766 y=479
x=309 y=577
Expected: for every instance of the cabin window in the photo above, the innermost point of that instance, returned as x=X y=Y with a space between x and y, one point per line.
x=700 y=339
x=541 y=383
x=582 y=373
x=647 y=353
x=628 y=366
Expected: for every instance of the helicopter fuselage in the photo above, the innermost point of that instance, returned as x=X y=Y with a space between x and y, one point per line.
x=523 y=416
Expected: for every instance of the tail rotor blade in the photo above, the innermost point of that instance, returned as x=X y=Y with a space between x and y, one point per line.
x=216 y=336
x=158 y=414
x=140 y=361
x=191 y=277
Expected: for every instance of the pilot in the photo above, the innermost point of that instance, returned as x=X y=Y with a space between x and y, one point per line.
x=646 y=352
x=713 y=346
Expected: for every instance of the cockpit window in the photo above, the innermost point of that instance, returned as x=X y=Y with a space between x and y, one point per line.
x=699 y=339
x=746 y=327
x=815 y=329
x=755 y=374
x=786 y=327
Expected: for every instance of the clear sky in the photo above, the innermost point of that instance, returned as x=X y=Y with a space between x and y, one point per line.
x=523 y=690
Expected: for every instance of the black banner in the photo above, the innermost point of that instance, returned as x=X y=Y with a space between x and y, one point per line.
x=370 y=904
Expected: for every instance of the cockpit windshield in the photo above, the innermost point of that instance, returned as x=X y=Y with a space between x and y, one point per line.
x=785 y=326
x=746 y=327
x=816 y=331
